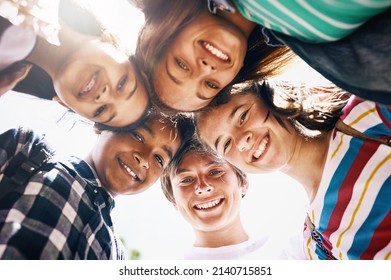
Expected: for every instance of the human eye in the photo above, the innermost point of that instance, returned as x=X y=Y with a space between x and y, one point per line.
x=99 y=111
x=186 y=180
x=243 y=117
x=138 y=137
x=211 y=85
x=122 y=82
x=227 y=145
x=215 y=172
x=159 y=160
x=181 y=64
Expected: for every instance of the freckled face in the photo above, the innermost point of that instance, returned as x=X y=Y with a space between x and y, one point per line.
x=207 y=192
x=205 y=56
x=129 y=163
x=100 y=83
x=249 y=137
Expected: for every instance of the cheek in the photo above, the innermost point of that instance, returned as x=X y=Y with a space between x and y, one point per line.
x=183 y=41
x=236 y=159
x=153 y=175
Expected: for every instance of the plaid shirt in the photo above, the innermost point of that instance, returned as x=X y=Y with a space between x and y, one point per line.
x=62 y=212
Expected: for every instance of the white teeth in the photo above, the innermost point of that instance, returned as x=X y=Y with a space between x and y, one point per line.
x=207 y=205
x=261 y=148
x=130 y=171
x=215 y=51
x=90 y=84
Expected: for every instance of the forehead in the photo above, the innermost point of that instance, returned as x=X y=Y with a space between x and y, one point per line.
x=200 y=159
x=197 y=158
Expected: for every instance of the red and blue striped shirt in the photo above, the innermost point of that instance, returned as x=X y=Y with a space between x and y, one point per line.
x=351 y=211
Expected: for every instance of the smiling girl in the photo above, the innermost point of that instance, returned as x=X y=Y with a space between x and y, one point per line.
x=345 y=169
x=191 y=55
x=93 y=76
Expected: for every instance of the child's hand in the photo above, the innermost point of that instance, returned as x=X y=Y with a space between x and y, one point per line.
x=12 y=75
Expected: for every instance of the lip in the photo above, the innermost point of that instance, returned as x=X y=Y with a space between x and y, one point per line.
x=209 y=204
x=129 y=171
x=90 y=86
x=215 y=52
x=260 y=141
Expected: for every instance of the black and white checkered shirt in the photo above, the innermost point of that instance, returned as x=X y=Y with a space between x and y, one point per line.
x=62 y=212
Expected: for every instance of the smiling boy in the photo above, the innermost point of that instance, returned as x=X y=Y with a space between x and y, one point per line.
x=52 y=208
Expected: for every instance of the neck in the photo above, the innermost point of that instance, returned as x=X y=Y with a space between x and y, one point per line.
x=89 y=159
x=51 y=57
x=230 y=235
x=307 y=163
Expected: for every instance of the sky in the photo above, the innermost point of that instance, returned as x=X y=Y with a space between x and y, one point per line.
x=147 y=222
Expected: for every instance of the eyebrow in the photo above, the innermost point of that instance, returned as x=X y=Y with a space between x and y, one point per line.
x=168 y=151
x=110 y=118
x=200 y=96
x=165 y=147
x=175 y=80
x=133 y=90
x=183 y=170
x=230 y=117
x=148 y=129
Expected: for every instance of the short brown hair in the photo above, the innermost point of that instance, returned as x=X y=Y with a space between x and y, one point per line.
x=193 y=145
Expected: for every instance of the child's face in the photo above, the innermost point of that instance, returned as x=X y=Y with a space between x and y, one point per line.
x=100 y=83
x=207 y=192
x=129 y=163
x=249 y=137
x=204 y=57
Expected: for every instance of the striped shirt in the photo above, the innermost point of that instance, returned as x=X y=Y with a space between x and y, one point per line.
x=312 y=21
x=62 y=213
x=352 y=208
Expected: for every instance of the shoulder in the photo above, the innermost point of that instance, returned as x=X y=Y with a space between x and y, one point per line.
x=364 y=114
x=17 y=140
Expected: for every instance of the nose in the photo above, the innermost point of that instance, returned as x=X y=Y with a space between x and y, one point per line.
x=141 y=161
x=203 y=187
x=103 y=95
x=208 y=65
x=244 y=142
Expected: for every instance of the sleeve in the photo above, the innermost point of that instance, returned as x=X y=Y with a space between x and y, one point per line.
x=13 y=141
x=342 y=61
x=39 y=220
x=33 y=224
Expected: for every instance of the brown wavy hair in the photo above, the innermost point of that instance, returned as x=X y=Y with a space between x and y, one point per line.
x=165 y=19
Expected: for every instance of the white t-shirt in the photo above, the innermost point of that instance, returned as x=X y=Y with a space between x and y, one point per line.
x=269 y=248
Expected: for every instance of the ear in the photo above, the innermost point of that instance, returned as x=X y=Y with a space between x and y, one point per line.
x=59 y=101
